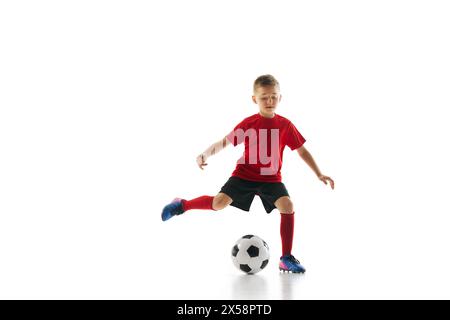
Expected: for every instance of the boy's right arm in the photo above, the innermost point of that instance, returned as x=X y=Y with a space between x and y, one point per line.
x=212 y=150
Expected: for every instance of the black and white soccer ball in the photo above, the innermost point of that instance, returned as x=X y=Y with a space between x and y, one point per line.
x=250 y=254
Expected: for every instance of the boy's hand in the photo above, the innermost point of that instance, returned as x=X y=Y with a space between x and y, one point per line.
x=325 y=180
x=201 y=161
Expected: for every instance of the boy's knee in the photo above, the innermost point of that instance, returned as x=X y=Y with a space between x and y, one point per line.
x=285 y=205
x=221 y=201
x=289 y=207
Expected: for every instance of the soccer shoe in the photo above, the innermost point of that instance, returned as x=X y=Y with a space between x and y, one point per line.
x=172 y=209
x=289 y=263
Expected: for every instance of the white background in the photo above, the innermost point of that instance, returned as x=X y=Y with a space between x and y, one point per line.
x=104 y=106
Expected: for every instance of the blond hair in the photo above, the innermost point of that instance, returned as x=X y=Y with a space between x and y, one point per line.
x=266 y=80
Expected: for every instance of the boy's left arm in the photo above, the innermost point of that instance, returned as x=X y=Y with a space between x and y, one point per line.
x=308 y=158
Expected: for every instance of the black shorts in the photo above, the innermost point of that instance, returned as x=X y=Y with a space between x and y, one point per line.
x=243 y=191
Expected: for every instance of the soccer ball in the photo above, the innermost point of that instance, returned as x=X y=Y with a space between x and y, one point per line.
x=250 y=254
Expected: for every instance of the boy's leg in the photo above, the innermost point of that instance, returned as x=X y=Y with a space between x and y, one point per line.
x=203 y=202
x=287 y=260
x=286 y=208
x=179 y=206
x=219 y=202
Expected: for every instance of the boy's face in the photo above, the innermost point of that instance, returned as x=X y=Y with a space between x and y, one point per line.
x=267 y=98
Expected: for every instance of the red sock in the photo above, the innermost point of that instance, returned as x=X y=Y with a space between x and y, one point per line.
x=287 y=232
x=203 y=202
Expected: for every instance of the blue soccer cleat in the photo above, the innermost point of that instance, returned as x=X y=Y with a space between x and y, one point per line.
x=174 y=208
x=289 y=263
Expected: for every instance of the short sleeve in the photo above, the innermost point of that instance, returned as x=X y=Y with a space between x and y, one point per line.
x=237 y=135
x=294 y=138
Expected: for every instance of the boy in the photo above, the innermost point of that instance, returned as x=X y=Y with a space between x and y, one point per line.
x=258 y=171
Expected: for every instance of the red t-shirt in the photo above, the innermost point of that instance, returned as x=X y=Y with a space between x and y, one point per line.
x=265 y=139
